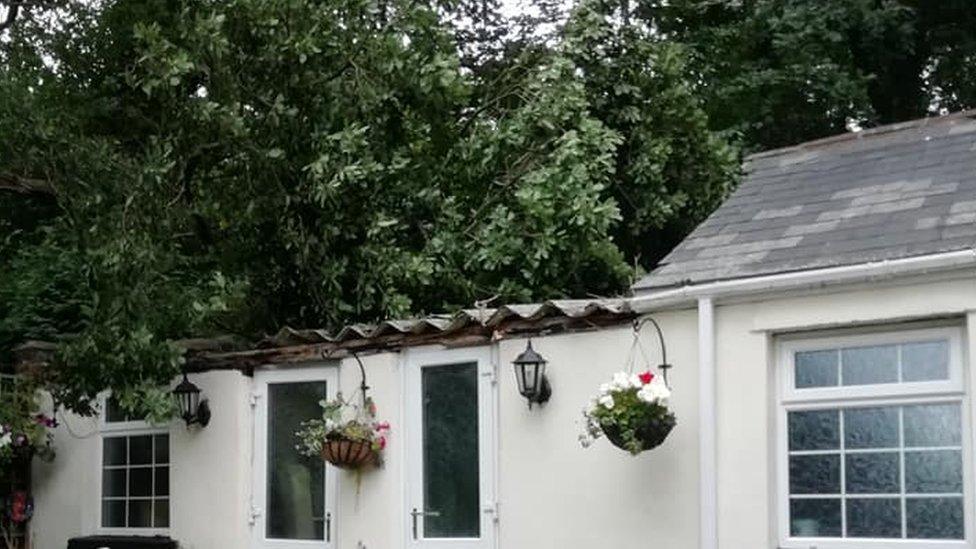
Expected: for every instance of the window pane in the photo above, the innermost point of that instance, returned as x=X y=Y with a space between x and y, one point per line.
x=162 y=449
x=816 y=369
x=140 y=482
x=113 y=483
x=874 y=518
x=811 y=518
x=140 y=513
x=814 y=430
x=162 y=481
x=932 y=425
x=874 y=473
x=296 y=484
x=925 y=361
x=871 y=428
x=933 y=472
x=935 y=518
x=870 y=365
x=140 y=450
x=113 y=412
x=450 y=445
x=815 y=474
x=113 y=451
x=161 y=513
x=113 y=513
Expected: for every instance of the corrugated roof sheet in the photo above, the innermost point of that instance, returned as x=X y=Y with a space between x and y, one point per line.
x=892 y=192
x=487 y=319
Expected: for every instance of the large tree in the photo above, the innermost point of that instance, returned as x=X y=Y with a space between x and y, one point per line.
x=779 y=72
x=190 y=167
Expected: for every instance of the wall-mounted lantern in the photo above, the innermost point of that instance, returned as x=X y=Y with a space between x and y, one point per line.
x=530 y=374
x=192 y=409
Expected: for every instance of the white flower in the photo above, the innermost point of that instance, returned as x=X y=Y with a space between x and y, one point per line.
x=635 y=382
x=5 y=440
x=621 y=381
x=605 y=389
x=607 y=402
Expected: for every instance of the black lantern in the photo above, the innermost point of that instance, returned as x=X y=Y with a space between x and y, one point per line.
x=530 y=374
x=192 y=409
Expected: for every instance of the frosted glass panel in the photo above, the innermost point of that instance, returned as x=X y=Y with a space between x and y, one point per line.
x=816 y=369
x=451 y=471
x=815 y=518
x=927 y=361
x=933 y=425
x=933 y=472
x=815 y=430
x=935 y=518
x=871 y=427
x=873 y=473
x=870 y=365
x=818 y=474
x=296 y=484
x=874 y=518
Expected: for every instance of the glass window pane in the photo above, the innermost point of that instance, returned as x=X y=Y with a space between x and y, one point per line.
x=933 y=472
x=814 y=430
x=161 y=513
x=113 y=513
x=113 y=412
x=161 y=449
x=870 y=365
x=113 y=483
x=816 y=369
x=926 y=361
x=140 y=482
x=296 y=484
x=873 y=473
x=114 y=451
x=933 y=425
x=871 y=427
x=874 y=518
x=140 y=513
x=450 y=445
x=818 y=474
x=811 y=518
x=935 y=518
x=140 y=450
x=161 y=487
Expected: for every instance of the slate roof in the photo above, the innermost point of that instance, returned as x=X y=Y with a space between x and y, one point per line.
x=891 y=192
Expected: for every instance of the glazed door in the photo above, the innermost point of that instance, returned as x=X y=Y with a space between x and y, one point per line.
x=293 y=497
x=450 y=450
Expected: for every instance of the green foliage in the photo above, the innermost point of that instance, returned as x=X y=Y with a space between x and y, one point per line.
x=780 y=72
x=342 y=420
x=23 y=429
x=238 y=166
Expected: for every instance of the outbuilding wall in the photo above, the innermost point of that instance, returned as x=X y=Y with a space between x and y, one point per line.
x=552 y=494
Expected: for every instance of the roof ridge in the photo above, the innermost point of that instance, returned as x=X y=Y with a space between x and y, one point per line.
x=862 y=134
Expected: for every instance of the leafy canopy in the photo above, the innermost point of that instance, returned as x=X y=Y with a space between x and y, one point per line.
x=193 y=167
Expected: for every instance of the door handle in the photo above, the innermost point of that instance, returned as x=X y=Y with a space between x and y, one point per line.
x=328 y=527
x=415 y=514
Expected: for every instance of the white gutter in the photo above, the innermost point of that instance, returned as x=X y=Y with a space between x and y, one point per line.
x=814 y=278
x=707 y=439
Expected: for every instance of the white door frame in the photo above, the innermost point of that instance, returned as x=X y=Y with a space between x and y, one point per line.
x=414 y=360
x=263 y=378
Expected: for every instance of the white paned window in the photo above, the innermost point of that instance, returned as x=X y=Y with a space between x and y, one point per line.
x=874 y=441
x=135 y=474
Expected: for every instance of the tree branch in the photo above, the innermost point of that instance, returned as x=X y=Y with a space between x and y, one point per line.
x=25 y=185
x=12 y=10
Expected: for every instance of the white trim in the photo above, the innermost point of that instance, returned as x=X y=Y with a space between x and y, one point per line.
x=414 y=361
x=261 y=380
x=790 y=399
x=707 y=436
x=814 y=278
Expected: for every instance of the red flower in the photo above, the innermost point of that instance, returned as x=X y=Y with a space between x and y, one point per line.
x=646 y=377
x=382 y=442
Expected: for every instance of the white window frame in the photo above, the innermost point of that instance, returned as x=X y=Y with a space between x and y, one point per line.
x=893 y=394
x=118 y=429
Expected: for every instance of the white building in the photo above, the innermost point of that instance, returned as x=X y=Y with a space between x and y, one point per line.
x=821 y=325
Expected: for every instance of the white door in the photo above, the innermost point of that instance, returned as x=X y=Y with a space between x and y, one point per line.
x=293 y=497
x=450 y=449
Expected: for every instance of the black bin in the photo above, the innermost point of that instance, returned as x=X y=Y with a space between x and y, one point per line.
x=122 y=542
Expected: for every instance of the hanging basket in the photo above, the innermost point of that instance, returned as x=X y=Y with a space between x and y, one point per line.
x=349 y=454
x=650 y=435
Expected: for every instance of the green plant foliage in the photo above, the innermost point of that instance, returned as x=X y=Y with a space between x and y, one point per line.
x=190 y=167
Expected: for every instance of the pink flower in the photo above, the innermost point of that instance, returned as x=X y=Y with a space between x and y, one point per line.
x=382 y=442
x=382 y=426
x=646 y=377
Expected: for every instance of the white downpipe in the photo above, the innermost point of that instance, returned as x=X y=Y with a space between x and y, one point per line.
x=816 y=278
x=707 y=444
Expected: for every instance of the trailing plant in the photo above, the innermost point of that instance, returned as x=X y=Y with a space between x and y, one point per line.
x=25 y=432
x=343 y=421
x=632 y=411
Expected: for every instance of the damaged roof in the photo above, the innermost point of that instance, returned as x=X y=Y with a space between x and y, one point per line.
x=887 y=193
